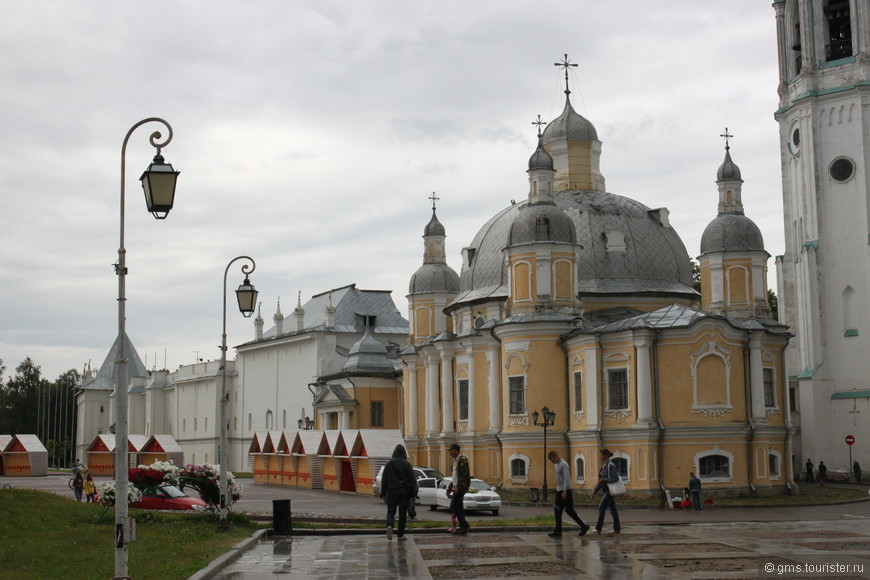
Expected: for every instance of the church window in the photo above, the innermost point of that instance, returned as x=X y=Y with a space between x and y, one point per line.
x=184 y=425
x=838 y=23
x=377 y=413
x=206 y=423
x=284 y=419
x=517 y=395
x=518 y=468
x=773 y=465
x=848 y=308
x=842 y=169
x=714 y=466
x=792 y=399
x=617 y=389
x=769 y=388
x=195 y=421
x=542 y=228
x=578 y=391
x=580 y=469
x=462 y=387
x=268 y=419
x=621 y=464
x=249 y=421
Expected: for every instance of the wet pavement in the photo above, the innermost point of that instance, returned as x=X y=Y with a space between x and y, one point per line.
x=812 y=549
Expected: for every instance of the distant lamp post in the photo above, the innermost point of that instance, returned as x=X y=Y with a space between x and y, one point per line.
x=246 y=296
x=305 y=423
x=158 y=182
x=549 y=419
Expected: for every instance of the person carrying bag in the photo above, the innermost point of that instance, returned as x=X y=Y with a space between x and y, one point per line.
x=400 y=487
x=608 y=476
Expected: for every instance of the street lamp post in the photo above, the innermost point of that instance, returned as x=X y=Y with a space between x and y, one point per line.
x=305 y=423
x=246 y=295
x=549 y=418
x=158 y=183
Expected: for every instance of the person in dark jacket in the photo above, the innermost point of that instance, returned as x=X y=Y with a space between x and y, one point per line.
x=400 y=486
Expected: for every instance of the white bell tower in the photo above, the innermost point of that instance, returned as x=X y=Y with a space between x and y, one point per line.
x=824 y=275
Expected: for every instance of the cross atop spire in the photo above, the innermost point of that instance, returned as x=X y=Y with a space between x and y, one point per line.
x=434 y=198
x=565 y=64
x=726 y=135
x=540 y=123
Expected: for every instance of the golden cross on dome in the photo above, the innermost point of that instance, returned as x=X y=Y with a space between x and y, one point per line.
x=539 y=122
x=565 y=64
x=726 y=135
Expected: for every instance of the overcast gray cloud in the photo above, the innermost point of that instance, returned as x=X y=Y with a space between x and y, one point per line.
x=309 y=136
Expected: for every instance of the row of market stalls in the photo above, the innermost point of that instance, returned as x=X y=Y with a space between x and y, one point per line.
x=340 y=460
x=141 y=450
x=22 y=455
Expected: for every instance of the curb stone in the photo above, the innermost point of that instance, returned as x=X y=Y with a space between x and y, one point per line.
x=229 y=557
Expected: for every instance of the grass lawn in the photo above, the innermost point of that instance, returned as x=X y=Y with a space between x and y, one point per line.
x=49 y=536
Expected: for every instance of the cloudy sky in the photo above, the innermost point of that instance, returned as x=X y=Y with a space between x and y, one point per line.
x=309 y=136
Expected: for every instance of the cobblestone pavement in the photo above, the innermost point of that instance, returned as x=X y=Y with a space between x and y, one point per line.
x=833 y=549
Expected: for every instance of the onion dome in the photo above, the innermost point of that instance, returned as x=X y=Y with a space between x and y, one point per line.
x=570 y=126
x=541 y=222
x=540 y=159
x=434 y=277
x=434 y=227
x=728 y=169
x=730 y=232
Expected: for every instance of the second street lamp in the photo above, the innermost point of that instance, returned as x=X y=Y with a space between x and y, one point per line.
x=549 y=419
x=246 y=296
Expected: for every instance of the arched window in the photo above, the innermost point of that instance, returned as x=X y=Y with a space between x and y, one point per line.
x=774 y=464
x=622 y=466
x=268 y=420
x=519 y=468
x=838 y=30
x=580 y=468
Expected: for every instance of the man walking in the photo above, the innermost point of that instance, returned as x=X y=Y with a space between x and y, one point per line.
x=458 y=487
x=695 y=490
x=823 y=473
x=564 y=500
x=809 y=471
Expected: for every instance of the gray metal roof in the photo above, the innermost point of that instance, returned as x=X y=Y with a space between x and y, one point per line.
x=527 y=228
x=569 y=125
x=368 y=357
x=106 y=376
x=540 y=159
x=728 y=169
x=434 y=227
x=731 y=232
x=654 y=260
x=434 y=277
x=350 y=305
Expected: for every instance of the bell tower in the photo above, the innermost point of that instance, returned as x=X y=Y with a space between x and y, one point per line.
x=824 y=274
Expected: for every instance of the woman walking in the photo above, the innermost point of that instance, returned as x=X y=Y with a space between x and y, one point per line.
x=400 y=487
x=607 y=474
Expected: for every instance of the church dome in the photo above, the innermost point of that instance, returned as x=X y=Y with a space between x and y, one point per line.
x=434 y=227
x=434 y=277
x=650 y=258
x=728 y=169
x=540 y=159
x=541 y=222
x=368 y=356
x=731 y=232
x=570 y=126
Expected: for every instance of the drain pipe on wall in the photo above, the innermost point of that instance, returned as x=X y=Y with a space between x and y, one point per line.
x=657 y=394
x=747 y=387
x=601 y=393
x=788 y=444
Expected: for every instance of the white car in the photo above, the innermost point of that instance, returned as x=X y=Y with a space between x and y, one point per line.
x=419 y=473
x=480 y=497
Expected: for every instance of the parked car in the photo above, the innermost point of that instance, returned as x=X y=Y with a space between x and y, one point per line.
x=420 y=472
x=426 y=494
x=480 y=497
x=168 y=497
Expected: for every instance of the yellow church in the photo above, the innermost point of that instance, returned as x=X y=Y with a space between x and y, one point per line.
x=574 y=319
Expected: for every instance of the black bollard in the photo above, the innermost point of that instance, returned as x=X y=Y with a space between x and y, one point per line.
x=282 y=524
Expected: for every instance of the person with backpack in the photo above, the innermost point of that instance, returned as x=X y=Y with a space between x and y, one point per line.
x=606 y=475
x=400 y=487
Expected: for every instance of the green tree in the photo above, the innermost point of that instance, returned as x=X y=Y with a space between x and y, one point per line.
x=20 y=399
x=773 y=301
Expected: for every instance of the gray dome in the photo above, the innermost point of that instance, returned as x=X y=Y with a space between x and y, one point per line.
x=541 y=222
x=434 y=227
x=728 y=169
x=368 y=356
x=731 y=232
x=540 y=159
x=434 y=277
x=654 y=259
x=571 y=126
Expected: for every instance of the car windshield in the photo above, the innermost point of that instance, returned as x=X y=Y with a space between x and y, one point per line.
x=172 y=491
x=479 y=485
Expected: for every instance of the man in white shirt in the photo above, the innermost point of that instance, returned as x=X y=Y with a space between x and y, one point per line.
x=564 y=500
